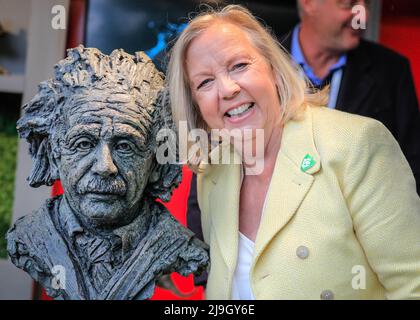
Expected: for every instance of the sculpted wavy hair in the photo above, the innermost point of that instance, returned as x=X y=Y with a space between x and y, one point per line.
x=84 y=73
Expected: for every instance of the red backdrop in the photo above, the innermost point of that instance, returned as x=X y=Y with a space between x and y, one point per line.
x=400 y=31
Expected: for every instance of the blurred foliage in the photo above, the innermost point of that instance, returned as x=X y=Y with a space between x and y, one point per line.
x=8 y=151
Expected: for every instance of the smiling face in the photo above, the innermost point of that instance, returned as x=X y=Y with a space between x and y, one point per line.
x=104 y=164
x=231 y=81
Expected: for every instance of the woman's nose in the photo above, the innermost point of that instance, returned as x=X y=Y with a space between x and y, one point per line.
x=228 y=88
x=104 y=164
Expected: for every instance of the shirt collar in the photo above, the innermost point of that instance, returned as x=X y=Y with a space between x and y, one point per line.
x=70 y=224
x=298 y=57
x=129 y=233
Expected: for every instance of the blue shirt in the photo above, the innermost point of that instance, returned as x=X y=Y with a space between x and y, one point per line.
x=336 y=70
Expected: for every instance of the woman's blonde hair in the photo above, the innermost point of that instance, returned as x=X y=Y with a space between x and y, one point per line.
x=294 y=89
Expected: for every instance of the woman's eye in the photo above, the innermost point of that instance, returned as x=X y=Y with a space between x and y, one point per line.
x=84 y=145
x=203 y=83
x=239 y=66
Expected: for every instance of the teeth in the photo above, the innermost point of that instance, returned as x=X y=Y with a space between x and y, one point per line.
x=240 y=109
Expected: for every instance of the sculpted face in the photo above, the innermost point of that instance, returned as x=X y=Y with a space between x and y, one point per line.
x=105 y=163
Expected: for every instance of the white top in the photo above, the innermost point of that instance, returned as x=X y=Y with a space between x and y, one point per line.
x=241 y=286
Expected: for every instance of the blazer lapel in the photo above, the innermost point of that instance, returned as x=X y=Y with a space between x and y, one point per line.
x=289 y=184
x=356 y=83
x=224 y=212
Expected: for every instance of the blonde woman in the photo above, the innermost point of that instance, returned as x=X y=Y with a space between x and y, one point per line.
x=333 y=214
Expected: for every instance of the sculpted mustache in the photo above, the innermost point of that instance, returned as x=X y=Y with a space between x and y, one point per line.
x=115 y=186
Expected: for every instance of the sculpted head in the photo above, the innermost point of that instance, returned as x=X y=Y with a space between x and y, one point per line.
x=94 y=127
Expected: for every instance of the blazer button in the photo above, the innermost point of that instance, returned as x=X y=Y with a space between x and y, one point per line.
x=302 y=252
x=327 y=295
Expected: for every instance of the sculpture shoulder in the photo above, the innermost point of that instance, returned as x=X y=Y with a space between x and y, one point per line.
x=193 y=257
x=24 y=238
x=166 y=221
x=26 y=227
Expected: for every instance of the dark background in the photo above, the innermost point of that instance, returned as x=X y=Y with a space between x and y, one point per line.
x=134 y=25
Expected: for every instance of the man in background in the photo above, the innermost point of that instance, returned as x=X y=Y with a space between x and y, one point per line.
x=365 y=78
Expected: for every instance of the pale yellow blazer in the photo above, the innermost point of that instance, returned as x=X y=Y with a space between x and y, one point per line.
x=354 y=215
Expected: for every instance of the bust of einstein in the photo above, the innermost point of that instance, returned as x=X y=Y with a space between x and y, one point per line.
x=94 y=127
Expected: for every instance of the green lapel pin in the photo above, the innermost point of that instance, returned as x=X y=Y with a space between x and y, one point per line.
x=307 y=163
